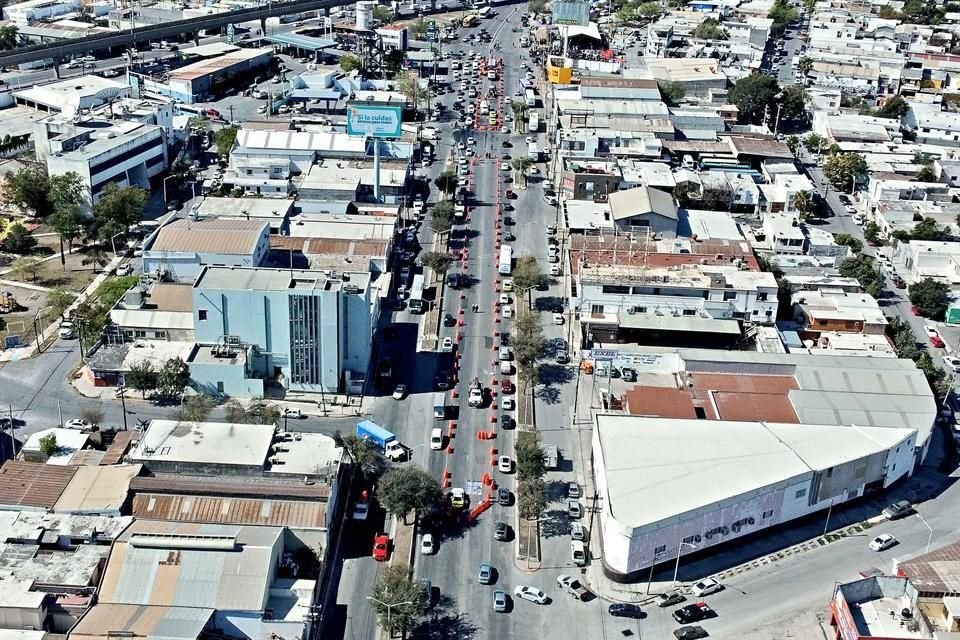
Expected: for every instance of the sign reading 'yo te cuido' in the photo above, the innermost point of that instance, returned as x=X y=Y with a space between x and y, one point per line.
x=374 y=120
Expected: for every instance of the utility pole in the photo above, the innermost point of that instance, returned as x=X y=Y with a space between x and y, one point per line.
x=123 y=405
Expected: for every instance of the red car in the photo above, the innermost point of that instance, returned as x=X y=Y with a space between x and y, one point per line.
x=506 y=386
x=511 y=195
x=915 y=311
x=381 y=547
x=936 y=341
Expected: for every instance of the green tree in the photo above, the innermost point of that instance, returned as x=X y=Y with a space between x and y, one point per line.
x=928 y=229
x=805 y=64
x=930 y=297
x=925 y=174
x=895 y=108
x=397 y=599
x=754 y=96
x=527 y=274
x=649 y=10
x=49 y=445
x=441 y=216
x=59 y=300
x=141 y=377
x=627 y=14
x=520 y=166
x=871 y=233
x=260 y=412
x=709 y=29
x=173 y=377
x=847 y=240
x=408 y=83
x=364 y=455
x=447 y=183
x=528 y=344
x=531 y=497
x=92 y=414
x=118 y=209
x=671 y=91
x=350 y=63
x=29 y=190
x=813 y=142
x=22 y=267
x=197 y=408
x=97 y=256
x=536 y=6
x=793 y=104
x=18 y=239
x=382 y=14
x=531 y=461
x=803 y=203
x=419 y=29
x=9 y=37
x=864 y=269
x=410 y=489
x=843 y=169
x=234 y=412
x=225 y=138
x=437 y=260
x=520 y=109
x=782 y=14
x=793 y=143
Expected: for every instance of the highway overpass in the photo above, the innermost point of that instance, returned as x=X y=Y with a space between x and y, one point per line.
x=128 y=37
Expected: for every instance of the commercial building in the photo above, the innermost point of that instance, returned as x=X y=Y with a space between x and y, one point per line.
x=887 y=607
x=182 y=248
x=828 y=310
x=644 y=209
x=715 y=445
x=26 y=13
x=273 y=211
x=203 y=80
x=71 y=98
x=155 y=311
x=302 y=330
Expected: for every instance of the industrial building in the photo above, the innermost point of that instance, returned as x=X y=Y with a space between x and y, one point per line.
x=180 y=249
x=307 y=331
x=711 y=446
x=204 y=79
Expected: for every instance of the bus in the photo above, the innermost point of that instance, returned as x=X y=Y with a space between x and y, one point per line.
x=417 y=303
x=533 y=124
x=506 y=260
x=469 y=20
x=530 y=98
x=484 y=12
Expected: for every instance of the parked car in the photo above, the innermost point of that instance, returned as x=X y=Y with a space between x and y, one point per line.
x=897 y=510
x=705 y=587
x=692 y=613
x=78 y=423
x=361 y=510
x=953 y=363
x=291 y=414
x=503 y=497
x=690 y=633
x=381 y=547
x=399 y=392
x=505 y=464
x=573 y=490
x=574 y=510
x=668 y=599
x=882 y=542
x=428 y=545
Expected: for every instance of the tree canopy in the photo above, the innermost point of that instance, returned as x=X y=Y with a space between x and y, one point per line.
x=930 y=297
x=118 y=209
x=895 y=107
x=753 y=96
x=410 y=489
x=397 y=598
x=709 y=29
x=29 y=189
x=842 y=170
x=671 y=91
x=527 y=274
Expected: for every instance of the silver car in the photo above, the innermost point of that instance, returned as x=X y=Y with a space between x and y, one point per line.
x=485 y=574
x=499 y=601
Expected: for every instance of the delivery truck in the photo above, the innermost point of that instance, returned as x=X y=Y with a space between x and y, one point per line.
x=384 y=440
x=439 y=405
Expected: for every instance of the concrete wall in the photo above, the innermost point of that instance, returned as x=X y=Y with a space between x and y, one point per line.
x=232 y=379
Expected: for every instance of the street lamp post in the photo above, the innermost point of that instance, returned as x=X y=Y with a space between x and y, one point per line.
x=929 y=528
x=389 y=609
x=113 y=244
x=165 y=202
x=676 y=567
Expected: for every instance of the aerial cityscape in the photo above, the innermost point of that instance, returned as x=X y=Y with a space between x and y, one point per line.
x=461 y=319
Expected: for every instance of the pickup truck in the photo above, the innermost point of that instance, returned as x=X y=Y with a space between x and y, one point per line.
x=693 y=613
x=475 y=398
x=572 y=586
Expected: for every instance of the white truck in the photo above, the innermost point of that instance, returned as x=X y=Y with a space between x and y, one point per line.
x=439 y=405
x=475 y=399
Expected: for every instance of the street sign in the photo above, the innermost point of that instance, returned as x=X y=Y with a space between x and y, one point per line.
x=376 y=120
x=572 y=12
x=953 y=315
x=604 y=354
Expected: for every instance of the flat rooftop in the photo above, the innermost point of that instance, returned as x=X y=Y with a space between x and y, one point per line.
x=219 y=63
x=215 y=235
x=658 y=468
x=223 y=443
x=261 y=279
x=274 y=209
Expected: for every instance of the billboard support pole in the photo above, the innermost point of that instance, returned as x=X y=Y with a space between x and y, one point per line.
x=376 y=169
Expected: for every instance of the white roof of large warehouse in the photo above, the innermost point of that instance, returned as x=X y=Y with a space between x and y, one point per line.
x=658 y=468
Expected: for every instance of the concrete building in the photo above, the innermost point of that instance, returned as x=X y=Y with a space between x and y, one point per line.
x=182 y=248
x=593 y=179
x=70 y=444
x=816 y=429
x=71 y=98
x=301 y=330
x=125 y=154
x=158 y=311
x=886 y=607
x=645 y=210
x=698 y=77
x=930 y=259
x=354 y=181
x=101 y=490
x=831 y=310
x=26 y=13
x=202 y=80
x=274 y=211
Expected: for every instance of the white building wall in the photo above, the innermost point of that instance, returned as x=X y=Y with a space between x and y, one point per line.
x=745 y=301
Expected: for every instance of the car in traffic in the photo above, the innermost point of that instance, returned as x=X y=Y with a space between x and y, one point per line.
x=882 y=542
x=576 y=531
x=625 y=610
x=436 y=439
x=690 y=632
x=500 y=603
x=897 y=510
x=573 y=490
x=506 y=386
x=381 y=547
x=505 y=464
x=291 y=414
x=501 y=531
x=531 y=594
x=447 y=345
x=485 y=574
x=449 y=320
x=78 y=423
x=693 y=613
x=458 y=498
x=669 y=599
x=399 y=392
x=503 y=497
x=705 y=587
x=952 y=363
x=934 y=336
x=508 y=404
x=507 y=422
x=428 y=545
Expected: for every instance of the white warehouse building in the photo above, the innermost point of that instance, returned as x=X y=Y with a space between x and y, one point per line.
x=714 y=445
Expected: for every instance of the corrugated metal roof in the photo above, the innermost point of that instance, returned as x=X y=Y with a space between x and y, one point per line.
x=117 y=449
x=33 y=484
x=239 y=487
x=97 y=489
x=154 y=622
x=230 y=510
x=231 y=237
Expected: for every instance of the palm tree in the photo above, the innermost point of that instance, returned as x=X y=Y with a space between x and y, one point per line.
x=520 y=109
x=804 y=205
x=520 y=165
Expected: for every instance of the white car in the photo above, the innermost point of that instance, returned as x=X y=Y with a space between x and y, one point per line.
x=506 y=311
x=504 y=166
x=427 y=545
x=461 y=146
x=531 y=594
x=125 y=269
x=508 y=404
x=531 y=139
x=857 y=218
x=505 y=298
x=361 y=510
x=882 y=542
x=504 y=129
x=952 y=363
x=931 y=332
x=558 y=318
x=399 y=392
x=705 y=587
x=447 y=345
x=504 y=464
x=291 y=414
x=77 y=423
x=436 y=439
x=471 y=141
